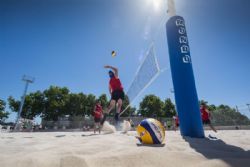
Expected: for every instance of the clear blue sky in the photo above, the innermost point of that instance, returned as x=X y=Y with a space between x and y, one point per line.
x=67 y=43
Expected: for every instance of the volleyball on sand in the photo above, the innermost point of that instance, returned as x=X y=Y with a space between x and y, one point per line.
x=151 y=131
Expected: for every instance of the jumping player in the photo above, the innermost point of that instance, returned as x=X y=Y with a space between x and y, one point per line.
x=116 y=92
x=206 y=116
x=97 y=116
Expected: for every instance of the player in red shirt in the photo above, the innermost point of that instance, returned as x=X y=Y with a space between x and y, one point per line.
x=116 y=92
x=176 y=122
x=205 y=115
x=97 y=116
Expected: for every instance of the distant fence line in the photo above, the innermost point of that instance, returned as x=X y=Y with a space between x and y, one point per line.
x=81 y=123
x=76 y=123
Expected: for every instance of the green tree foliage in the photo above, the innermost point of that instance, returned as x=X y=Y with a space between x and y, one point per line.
x=75 y=105
x=151 y=106
x=224 y=115
x=168 y=108
x=104 y=100
x=89 y=107
x=37 y=103
x=130 y=110
x=13 y=104
x=33 y=105
x=56 y=100
x=3 y=113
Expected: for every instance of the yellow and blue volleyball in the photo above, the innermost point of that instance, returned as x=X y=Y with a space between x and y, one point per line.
x=151 y=131
x=113 y=53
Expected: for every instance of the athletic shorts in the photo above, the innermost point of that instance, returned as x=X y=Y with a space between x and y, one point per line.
x=207 y=121
x=97 y=120
x=177 y=125
x=117 y=94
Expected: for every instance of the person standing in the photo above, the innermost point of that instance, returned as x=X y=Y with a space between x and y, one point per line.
x=206 y=116
x=97 y=113
x=176 y=122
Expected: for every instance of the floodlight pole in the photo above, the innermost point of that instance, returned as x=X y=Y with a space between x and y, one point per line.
x=27 y=80
x=237 y=109
x=248 y=105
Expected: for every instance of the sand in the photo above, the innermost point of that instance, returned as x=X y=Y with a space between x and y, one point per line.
x=75 y=149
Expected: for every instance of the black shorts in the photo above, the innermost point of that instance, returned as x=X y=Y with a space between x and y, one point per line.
x=117 y=94
x=97 y=120
x=207 y=121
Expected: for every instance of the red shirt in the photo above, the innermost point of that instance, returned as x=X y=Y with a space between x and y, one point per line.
x=176 y=119
x=204 y=113
x=98 y=111
x=115 y=84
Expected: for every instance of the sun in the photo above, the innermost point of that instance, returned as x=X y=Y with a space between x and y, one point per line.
x=157 y=4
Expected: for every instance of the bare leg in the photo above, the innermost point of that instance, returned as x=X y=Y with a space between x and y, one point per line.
x=174 y=125
x=99 y=127
x=94 y=128
x=111 y=106
x=119 y=106
x=118 y=110
x=212 y=127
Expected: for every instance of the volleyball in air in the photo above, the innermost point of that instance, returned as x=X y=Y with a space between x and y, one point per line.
x=113 y=53
x=151 y=131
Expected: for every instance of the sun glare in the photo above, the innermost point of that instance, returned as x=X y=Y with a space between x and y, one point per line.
x=157 y=4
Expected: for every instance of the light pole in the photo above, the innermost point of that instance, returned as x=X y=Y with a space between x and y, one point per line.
x=248 y=105
x=27 y=80
x=172 y=93
x=237 y=108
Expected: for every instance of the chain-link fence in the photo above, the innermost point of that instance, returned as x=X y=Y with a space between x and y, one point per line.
x=218 y=119
x=87 y=123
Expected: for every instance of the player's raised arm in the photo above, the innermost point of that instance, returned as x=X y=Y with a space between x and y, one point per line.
x=113 y=68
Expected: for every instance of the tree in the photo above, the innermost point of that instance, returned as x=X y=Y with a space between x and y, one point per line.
x=33 y=105
x=203 y=102
x=130 y=111
x=225 y=115
x=3 y=113
x=37 y=103
x=104 y=100
x=56 y=99
x=90 y=104
x=76 y=104
x=211 y=107
x=169 y=108
x=151 y=106
x=13 y=104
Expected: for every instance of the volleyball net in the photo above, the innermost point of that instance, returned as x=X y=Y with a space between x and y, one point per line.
x=147 y=72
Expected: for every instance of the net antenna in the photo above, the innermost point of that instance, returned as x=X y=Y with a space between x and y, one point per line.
x=147 y=72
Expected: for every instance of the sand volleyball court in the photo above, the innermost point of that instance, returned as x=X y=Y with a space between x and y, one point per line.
x=83 y=149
